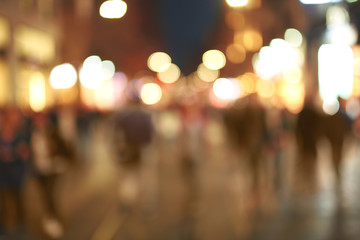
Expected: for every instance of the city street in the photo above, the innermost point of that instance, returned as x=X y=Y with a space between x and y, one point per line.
x=206 y=198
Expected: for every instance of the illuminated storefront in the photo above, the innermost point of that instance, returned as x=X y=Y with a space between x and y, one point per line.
x=28 y=50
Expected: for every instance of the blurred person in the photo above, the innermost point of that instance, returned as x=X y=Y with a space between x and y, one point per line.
x=132 y=130
x=14 y=157
x=246 y=125
x=192 y=156
x=337 y=128
x=274 y=145
x=308 y=132
x=85 y=119
x=52 y=158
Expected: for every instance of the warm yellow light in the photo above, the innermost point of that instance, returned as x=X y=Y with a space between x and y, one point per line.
x=214 y=59
x=265 y=89
x=227 y=89
x=151 y=93
x=5 y=92
x=293 y=37
x=104 y=96
x=170 y=75
x=159 y=61
x=236 y=53
x=113 y=9
x=206 y=74
x=4 y=32
x=293 y=76
x=356 y=84
x=63 y=76
x=252 y=40
x=87 y=96
x=237 y=3
x=37 y=92
x=248 y=82
x=292 y=95
x=34 y=44
x=94 y=72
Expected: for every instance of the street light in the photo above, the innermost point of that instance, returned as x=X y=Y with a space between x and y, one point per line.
x=237 y=3
x=319 y=1
x=113 y=9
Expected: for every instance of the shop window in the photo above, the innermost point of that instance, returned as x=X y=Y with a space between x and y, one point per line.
x=34 y=45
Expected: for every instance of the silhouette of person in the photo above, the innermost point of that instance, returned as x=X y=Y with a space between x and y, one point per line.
x=246 y=125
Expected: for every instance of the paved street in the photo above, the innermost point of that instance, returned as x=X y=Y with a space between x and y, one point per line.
x=199 y=195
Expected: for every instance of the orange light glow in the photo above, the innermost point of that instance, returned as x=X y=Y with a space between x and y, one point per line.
x=37 y=92
x=236 y=53
x=265 y=89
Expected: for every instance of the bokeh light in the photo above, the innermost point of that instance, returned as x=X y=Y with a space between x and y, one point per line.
x=293 y=76
x=214 y=59
x=248 y=82
x=94 y=71
x=277 y=58
x=331 y=106
x=113 y=9
x=237 y=3
x=336 y=71
x=94 y=59
x=336 y=15
x=236 y=53
x=319 y=1
x=264 y=65
x=342 y=34
x=108 y=69
x=356 y=85
x=159 y=61
x=252 y=40
x=104 y=95
x=37 y=92
x=206 y=74
x=293 y=37
x=170 y=75
x=63 y=76
x=227 y=88
x=151 y=93
x=292 y=95
x=265 y=89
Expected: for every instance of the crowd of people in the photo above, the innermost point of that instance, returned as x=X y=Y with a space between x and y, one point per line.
x=44 y=146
